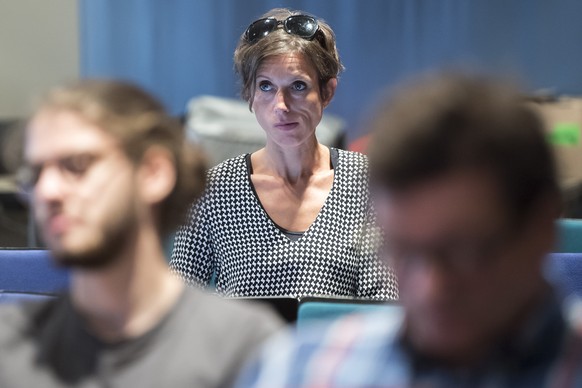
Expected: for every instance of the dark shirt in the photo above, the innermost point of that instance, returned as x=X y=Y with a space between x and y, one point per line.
x=202 y=342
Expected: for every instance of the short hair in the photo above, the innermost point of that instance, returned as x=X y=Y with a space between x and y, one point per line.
x=138 y=121
x=321 y=51
x=447 y=122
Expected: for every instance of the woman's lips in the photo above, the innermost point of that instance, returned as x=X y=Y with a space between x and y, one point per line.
x=286 y=126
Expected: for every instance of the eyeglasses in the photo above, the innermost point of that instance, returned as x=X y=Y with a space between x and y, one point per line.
x=71 y=168
x=463 y=256
x=303 y=26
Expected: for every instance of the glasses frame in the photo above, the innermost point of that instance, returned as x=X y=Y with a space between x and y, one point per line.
x=469 y=257
x=263 y=27
x=71 y=168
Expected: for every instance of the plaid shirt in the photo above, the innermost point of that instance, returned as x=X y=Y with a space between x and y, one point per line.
x=371 y=351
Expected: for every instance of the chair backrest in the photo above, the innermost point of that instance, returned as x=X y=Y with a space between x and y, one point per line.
x=18 y=297
x=30 y=272
x=569 y=236
x=316 y=309
x=564 y=270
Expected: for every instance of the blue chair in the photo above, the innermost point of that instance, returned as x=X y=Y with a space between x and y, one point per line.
x=564 y=270
x=29 y=274
x=569 y=236
x=17 y=297
x=314 y=310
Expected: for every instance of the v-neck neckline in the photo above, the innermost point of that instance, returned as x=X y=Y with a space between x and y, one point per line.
x=334 y=161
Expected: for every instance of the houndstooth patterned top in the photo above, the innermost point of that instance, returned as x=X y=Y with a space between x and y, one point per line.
x=231 y=235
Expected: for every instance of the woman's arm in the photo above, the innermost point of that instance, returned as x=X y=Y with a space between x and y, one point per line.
x=375 y=279
x=193 y=256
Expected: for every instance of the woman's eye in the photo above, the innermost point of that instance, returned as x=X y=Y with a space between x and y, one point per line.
x=299 y=86
x=265 y=86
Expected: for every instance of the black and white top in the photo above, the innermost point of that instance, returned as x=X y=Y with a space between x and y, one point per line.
x=230 y=234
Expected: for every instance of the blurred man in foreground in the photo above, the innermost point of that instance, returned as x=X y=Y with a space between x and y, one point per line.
x=109 y=174
x=466 y=192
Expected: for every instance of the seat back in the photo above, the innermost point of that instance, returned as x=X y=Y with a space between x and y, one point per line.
x=29 y=274
x=317 y=309
x=564 y=270
x=569 y=236
x=17 y=297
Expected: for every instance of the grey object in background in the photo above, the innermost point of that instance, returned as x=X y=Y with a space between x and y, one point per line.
x=14 y=211
x=226 y=128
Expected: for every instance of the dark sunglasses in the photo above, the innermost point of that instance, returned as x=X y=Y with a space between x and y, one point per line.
x=303 y=26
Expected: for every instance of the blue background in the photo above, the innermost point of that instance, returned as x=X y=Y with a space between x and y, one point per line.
x=179 y=49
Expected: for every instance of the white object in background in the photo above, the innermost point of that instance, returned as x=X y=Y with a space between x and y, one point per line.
x=226 y=128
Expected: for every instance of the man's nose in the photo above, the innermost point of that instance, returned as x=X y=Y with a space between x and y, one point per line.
x=50 y=185
x=429 y=278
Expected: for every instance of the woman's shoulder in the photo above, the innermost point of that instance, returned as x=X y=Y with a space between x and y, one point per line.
x=352 y=160
x=229 y=168
x=223 y=182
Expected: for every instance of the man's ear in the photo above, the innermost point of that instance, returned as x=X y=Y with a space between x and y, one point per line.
x=156 y=175
x=329 y=91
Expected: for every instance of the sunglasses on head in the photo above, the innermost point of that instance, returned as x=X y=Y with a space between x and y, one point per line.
x=303 y=26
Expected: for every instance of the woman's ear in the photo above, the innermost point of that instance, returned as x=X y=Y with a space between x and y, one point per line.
x=329 y=91
x=157 y=175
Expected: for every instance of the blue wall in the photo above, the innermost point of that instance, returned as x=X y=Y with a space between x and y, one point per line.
x=183 y=48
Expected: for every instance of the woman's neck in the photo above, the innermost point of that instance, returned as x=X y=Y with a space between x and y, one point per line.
x=293 y=163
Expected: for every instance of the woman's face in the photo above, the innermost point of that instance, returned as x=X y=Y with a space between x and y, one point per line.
x=287 y=101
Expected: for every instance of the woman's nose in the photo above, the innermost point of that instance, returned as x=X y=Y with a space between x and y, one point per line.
x=281 y=104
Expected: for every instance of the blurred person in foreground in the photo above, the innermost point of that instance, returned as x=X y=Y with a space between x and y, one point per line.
x=293 y=218
x=109 y=174
x=466 y=192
